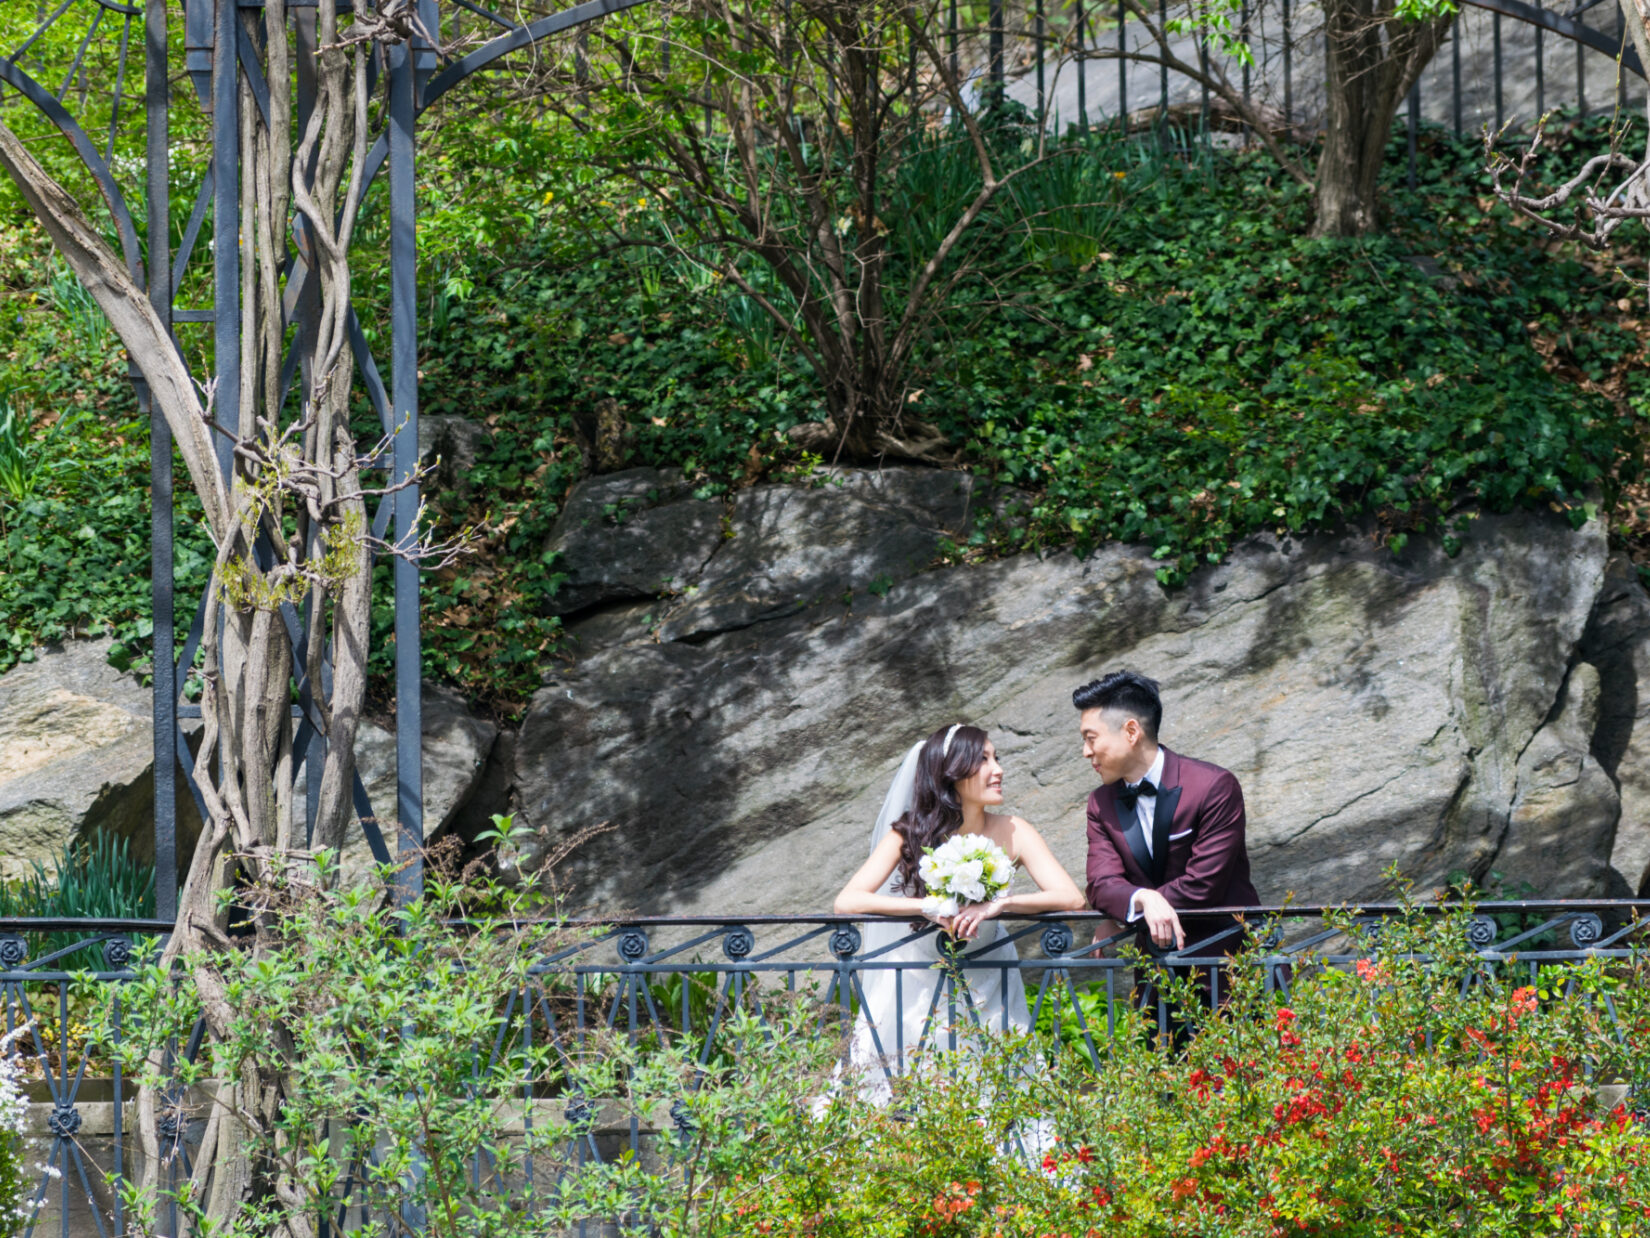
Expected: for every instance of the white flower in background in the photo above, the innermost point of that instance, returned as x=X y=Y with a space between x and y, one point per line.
x=965 y=868
x=14 y=1110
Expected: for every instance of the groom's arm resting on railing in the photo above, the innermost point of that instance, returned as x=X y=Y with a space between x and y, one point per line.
x=1217 y=847
x=1111 y=890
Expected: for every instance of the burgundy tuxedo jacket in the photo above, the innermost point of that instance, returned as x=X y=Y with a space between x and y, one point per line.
x=1198 y=847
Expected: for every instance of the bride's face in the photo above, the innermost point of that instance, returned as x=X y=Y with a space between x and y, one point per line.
x=985 y=785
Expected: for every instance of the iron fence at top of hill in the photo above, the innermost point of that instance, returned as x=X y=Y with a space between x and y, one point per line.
x=1094 y=61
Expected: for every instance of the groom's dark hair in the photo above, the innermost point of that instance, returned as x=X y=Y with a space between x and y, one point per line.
x=1126 y=692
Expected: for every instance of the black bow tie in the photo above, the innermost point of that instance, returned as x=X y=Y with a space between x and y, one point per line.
x=1128 y=797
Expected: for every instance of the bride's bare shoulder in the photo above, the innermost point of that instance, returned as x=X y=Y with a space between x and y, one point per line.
x=1008 y=831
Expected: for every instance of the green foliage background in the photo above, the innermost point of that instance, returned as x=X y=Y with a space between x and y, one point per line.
x=1166 y=360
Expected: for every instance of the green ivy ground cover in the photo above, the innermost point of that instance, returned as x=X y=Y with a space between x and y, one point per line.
x=1202 y=372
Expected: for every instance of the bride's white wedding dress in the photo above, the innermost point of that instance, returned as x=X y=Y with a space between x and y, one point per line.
x=924 y=1005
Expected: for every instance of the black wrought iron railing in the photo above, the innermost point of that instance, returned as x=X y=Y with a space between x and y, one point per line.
x=680 y=980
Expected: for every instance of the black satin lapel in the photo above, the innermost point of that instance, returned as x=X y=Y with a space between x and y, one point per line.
x=1136 y=838
x=1162 y=826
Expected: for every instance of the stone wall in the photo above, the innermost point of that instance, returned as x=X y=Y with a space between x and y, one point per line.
x=746 y=673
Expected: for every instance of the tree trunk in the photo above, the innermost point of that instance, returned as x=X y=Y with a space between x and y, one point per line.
x=1372 y=60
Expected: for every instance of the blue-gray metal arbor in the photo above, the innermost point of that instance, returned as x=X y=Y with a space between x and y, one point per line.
x=222 y=53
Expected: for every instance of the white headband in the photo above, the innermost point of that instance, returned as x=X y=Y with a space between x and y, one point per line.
x=945 y=748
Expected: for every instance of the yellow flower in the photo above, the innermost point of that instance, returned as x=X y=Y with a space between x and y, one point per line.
x=547 y=198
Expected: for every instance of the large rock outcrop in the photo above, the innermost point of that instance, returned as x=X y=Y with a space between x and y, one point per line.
x=747 y=671
x=456 y=746
x=76 y=749
x=691 y=568
x=1418 y=710
x=1617 y=642
x=76 y=758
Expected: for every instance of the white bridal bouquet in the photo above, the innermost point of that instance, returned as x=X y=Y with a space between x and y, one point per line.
x=965 y=868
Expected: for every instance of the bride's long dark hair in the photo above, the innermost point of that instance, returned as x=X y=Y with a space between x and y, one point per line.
x=936 y=810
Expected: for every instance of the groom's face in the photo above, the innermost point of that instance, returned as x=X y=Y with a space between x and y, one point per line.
x=1109 y=749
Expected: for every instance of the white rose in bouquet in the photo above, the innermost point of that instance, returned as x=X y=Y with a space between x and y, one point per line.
x=965 y=868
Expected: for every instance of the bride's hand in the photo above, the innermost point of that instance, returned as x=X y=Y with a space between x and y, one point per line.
x=944 y=922
x=966 y=924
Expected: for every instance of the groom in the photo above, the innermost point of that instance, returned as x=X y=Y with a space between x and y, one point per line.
x=1166 y=833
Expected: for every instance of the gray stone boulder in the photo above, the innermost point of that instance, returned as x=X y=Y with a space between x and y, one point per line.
x=456 y=746
x=76 y=757
x=750 y=670
x=627 y=537
x=1562 y=830
x=1617 y=642
x=1416 y=710
x=701 y=567
x=447 y=446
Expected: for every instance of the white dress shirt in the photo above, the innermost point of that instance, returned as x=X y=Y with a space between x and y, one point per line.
x=1145 y=809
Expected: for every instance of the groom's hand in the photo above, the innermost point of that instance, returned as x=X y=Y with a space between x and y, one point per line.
x=1162 y=921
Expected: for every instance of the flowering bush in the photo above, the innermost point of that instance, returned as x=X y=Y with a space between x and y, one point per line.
x=1416 y=1092
x=13 y=1112
x=1382 y=1100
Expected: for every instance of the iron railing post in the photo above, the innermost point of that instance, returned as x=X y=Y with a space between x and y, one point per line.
x=1621 y=41
x=1288 y=69
x=1122 y=67
x=951 y=39
x=157 y=117
x=226 y=229
x=1540 y=77
x=1163 y=80
x=1414 y=125
x=409 y=774
x=1082 y=70
x=1042 y=91
x=995 y=19
x=1203 y=102
x=1495 y=26
x=1581 y=78
x=1455 y=59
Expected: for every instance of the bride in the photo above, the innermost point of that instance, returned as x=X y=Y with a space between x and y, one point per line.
x=944 y=787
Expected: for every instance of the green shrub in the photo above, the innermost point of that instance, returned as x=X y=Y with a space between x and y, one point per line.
x=1419 y=1092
